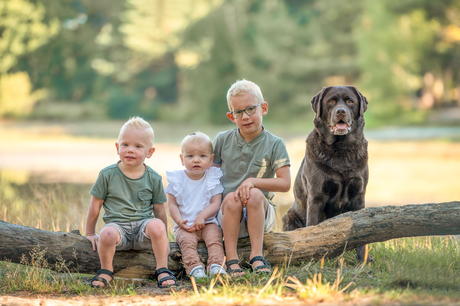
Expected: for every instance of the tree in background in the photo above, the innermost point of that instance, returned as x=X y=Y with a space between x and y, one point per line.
x=290 y=48
x=23 y=29
x=175 y=59
x=409 y=55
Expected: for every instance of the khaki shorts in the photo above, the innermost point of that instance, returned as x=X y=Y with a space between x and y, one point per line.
x=132 y=235
x=269 y=220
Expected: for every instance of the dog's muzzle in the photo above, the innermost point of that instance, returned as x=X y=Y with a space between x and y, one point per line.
x=340 y=128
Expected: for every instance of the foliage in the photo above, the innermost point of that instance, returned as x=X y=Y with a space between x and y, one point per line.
x=174 y=60
x=286 y=52
x=16 y=96
x=401 y=47
x=22 y=30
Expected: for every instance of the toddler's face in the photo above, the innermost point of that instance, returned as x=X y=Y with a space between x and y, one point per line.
x=133 y=147
x=197 y=158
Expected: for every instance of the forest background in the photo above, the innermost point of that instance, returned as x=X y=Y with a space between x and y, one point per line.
x=173 y=60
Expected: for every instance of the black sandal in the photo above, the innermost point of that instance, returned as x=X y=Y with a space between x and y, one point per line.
x=160 y=281
x=101 y=279
x=264 y=266
x=230 y=271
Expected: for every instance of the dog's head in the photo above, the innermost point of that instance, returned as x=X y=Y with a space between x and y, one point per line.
x=340 y=107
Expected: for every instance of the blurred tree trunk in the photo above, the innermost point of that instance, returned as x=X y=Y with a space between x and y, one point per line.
x=328 y=239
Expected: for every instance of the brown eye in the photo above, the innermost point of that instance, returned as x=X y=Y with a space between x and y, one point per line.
x=331 y=101
x=350 y=101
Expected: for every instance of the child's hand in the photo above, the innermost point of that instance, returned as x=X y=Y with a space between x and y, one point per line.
x=243 y=191
x=93 y=239
x=199 y=223
x=183 y=225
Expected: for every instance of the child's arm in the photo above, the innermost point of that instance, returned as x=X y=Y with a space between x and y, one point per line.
x=282 y=183
x=175 y=214
x=91 y=220
x=160 y=213
x=208 y=212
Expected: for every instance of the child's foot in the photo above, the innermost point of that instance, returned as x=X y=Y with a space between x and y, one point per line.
x=198 y=273
x=102 y=278
x=260 y=265
x=234 y=269
x=216 y=269
x=165 y=278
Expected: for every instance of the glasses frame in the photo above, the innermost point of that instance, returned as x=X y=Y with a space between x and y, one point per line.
x=245 y=110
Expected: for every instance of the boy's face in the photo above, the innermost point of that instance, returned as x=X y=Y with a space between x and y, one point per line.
x=197 y=158
x=133 y=147
x=250 y=125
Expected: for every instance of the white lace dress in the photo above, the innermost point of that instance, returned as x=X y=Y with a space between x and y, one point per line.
x=193 y=196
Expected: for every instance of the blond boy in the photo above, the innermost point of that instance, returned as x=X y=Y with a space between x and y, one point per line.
x=130 y=191
x=255 y=163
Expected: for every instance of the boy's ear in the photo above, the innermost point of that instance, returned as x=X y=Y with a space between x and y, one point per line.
x=181 y=159
x=118 y=148
x=264 y=108
x=152 y=149
x=230 y=116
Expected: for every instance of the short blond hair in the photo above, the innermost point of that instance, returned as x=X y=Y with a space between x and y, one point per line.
x=194 y=138
x=140 y=124
x=242 y=87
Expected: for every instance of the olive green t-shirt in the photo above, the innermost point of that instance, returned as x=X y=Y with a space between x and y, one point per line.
x=126 y=199
x=239 y=160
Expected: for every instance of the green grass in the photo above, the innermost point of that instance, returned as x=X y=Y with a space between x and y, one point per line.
x=413 y=270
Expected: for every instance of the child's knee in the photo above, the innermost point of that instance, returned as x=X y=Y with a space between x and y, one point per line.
x=256 y=197
x=156 y=229
x=109 y=236
x=229 y=204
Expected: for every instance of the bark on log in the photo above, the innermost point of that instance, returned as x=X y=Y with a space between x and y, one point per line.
x=328 y=239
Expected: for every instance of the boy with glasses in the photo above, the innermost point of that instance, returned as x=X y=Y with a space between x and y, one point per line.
x=254 y=163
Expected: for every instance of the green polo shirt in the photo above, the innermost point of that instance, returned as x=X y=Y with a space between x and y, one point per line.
x=239 y=160
x=126 y=199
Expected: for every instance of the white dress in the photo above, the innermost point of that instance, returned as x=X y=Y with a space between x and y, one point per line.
x=193 y=196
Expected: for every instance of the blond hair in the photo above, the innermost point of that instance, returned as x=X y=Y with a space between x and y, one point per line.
x=140 y=124
x=242 y=87
x=194 y=138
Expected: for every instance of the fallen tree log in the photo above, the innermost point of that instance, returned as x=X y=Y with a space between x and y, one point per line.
x=328 y=239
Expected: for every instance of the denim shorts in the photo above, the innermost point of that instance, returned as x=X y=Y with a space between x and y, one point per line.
x=269 y=220
x=132 y=235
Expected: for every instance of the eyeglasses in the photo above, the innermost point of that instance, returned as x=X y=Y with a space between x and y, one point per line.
x=250 y=110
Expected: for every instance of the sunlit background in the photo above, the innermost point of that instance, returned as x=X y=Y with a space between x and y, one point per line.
x=71 y=72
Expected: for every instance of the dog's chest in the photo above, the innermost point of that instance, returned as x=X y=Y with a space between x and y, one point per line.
x=342 y=191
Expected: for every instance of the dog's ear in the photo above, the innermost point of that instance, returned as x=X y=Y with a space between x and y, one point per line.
x=316 y=101
x=362 y=100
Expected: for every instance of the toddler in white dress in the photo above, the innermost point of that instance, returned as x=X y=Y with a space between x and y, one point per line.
x=194 y=198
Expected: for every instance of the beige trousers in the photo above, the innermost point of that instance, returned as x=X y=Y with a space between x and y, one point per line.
x=211 y=234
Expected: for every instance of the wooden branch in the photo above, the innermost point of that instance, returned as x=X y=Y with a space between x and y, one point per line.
x=328 y=239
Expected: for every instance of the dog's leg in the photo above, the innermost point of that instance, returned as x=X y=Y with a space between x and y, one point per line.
x=361 y=250
x=292 y=219
x=313 y=213
x=361 y=254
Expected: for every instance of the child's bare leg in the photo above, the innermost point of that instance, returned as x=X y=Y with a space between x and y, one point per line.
x=108 y=240
x=256 y=209
x=232 y=213
x=156 y=231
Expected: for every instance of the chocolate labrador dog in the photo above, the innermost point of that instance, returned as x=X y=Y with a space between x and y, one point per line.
x=333 y=176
